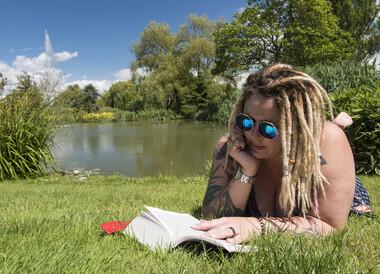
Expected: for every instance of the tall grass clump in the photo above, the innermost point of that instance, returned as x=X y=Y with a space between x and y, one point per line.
x=355 y=89
x=26 y=130
x=344 y=75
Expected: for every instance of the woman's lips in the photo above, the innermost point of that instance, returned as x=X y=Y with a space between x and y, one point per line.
x=256 y=147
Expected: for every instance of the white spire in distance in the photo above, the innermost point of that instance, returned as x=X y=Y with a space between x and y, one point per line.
x=49 y=49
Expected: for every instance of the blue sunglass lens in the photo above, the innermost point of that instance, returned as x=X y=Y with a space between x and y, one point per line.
x=247 y=123
x=268 y=130
x=244 y=122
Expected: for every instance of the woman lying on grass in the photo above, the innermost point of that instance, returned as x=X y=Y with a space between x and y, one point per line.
x=283 y=167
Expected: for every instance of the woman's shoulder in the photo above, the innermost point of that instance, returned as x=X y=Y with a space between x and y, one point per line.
x=333 y=133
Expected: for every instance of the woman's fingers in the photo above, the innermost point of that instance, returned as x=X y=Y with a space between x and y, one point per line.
x=235 y=240
x=207 y=225
x=221 y=232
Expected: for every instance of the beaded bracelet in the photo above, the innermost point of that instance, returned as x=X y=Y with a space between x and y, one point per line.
x=262 y=226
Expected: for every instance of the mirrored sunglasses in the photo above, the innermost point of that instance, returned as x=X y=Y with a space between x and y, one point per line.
x=267 y=129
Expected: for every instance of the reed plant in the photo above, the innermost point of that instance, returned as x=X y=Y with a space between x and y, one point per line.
x=345 y=75
x=26 y=131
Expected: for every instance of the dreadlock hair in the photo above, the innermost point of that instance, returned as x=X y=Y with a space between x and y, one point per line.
x=303 y=104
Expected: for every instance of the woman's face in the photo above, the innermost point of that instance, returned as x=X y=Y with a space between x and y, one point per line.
x=260 y=108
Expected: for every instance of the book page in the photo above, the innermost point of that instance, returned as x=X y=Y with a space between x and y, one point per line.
x=149 y=231
x=179 y=224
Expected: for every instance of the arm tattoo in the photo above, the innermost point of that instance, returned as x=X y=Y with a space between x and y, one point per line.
x=211 y=192
x=221 y=153
x=322 y=160
x=217 y=201
x=219 y=204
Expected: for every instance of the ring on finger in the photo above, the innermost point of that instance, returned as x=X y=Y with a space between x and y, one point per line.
x=233 y=231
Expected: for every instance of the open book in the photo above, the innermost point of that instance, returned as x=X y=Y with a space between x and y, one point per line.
x=163 y=229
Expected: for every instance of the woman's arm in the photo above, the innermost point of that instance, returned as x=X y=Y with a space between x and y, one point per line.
x=247 y=227
x=339 y=170
x=225 y=196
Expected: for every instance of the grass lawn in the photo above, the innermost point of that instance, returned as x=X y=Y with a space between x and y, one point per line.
x=51 y=224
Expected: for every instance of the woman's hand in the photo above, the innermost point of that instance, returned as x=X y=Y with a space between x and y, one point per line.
x=249 y=164
x=232 y=229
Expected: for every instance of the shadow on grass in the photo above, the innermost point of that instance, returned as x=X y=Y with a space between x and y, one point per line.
x=201 y=249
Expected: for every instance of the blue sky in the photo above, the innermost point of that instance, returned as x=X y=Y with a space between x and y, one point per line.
x=92 y=39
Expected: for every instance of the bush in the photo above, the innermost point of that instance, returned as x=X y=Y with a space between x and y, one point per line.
x=364 y=134
x=26 y=132
x=344 y=75
x=97 y=117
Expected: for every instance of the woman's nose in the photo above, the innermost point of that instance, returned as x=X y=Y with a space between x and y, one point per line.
x=255 y=133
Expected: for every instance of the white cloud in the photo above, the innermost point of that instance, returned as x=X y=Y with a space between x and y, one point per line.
x=65 y=55
x=38 y=67
x=123 y=74
x=126 y=74
x=100 y=85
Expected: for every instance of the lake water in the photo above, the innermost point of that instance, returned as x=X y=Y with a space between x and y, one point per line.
x=136 y=149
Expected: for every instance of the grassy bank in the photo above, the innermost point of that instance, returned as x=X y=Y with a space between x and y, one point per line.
x=51 y=224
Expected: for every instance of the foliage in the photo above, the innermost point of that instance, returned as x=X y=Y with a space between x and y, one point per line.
x=361 y=20
x=71 y=97
x=26 y=131
x=344 y=75
x=97 y=117
x=51 y=224
x=90 y=95
x=363 y=104
x=180 y=66
x=124 y=96
x=298 y=32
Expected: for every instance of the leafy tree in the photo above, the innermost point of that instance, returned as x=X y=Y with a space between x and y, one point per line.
x=123 y=95
x=71 y=97
x=180 y=76
x=155 y=43
x=25 y=83
x=89 y=98
x=361 y=19
x=298 y=32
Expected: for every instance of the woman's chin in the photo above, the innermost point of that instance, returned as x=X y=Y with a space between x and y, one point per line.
x=259 y=154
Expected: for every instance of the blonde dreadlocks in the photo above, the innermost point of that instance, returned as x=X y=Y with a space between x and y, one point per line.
x=302 y=103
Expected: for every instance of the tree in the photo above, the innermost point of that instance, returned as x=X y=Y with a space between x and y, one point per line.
x=298 y=32
x=123 y=95
x=180 y=65
x=89 y=98
x=155 y=43
x=361 y=19
x=71 y=97
x=24 y=83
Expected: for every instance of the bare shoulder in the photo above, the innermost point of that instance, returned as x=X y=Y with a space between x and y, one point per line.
x=333 y=133
x=336 y=150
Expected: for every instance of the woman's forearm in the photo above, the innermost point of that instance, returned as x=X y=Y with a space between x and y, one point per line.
x=307 y=225
x=230 y=201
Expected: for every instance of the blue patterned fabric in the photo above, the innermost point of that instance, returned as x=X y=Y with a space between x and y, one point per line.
x=361 y=197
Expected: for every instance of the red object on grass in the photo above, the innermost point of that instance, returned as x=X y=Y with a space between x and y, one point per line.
x=114 y=226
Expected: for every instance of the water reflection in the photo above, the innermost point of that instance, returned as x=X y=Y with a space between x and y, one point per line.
x=137 y=148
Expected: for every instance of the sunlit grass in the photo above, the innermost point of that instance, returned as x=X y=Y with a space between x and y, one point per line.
x=51 y=224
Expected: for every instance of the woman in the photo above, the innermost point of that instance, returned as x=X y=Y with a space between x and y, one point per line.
x=283 y=167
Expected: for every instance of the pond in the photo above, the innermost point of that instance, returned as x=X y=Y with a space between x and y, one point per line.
x=137 y=149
